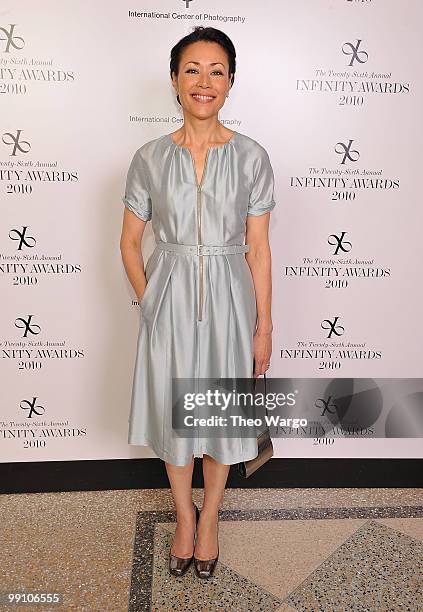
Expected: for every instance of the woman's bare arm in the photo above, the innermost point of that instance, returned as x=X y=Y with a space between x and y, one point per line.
x=260 y=261
x=130 y=248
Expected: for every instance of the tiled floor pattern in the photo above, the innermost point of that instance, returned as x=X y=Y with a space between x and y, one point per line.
x=313 y=550
x=290 y=560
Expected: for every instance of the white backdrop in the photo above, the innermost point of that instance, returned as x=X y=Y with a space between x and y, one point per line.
x=333 y=91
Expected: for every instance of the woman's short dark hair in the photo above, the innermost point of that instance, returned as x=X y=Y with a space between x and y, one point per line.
x=207 y=34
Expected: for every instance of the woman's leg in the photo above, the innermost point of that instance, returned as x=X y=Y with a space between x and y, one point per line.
x=215 y=477
x=180 y=478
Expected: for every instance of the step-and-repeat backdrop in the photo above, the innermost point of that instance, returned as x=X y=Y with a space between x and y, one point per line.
x=331 y=88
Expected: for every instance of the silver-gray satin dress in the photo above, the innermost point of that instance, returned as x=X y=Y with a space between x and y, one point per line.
x=198 y=311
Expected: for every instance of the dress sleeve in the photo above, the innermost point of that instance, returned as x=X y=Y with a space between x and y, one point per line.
x=137 y=194
x=261 y=195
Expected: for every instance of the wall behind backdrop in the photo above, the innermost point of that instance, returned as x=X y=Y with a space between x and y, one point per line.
x=331 y=88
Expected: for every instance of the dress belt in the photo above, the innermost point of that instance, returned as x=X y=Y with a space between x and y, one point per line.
x=203 y=249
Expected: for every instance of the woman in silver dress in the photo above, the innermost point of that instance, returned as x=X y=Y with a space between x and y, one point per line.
x=205 y=293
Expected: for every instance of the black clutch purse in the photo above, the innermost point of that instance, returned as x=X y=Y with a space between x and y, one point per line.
x=264 y=444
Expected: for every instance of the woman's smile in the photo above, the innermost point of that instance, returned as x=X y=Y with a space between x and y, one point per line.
x=202 y=99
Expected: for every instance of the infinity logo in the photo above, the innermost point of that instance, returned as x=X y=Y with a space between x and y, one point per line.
x=345 y=150
x=349 y=49
x=15 y=141
x=340 y=243
x=27 y=326
x=332 y=327
x=30 y=405
x=187 y=3
x=23 y=240
x=326 y=405
x=10 y=39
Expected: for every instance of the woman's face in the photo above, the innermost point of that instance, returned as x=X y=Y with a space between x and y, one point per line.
x=203 y=79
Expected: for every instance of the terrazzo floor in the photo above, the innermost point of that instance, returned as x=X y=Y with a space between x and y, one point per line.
x=286 y=550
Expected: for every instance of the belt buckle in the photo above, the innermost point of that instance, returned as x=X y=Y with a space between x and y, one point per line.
x=199 y=247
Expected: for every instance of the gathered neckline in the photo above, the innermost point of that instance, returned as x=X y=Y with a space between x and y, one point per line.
x=221 y=146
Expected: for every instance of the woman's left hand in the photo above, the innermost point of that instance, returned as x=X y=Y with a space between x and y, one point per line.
x=262 y=346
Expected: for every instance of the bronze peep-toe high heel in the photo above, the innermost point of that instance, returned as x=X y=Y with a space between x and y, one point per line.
x=204 y=568
x=178 y=566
